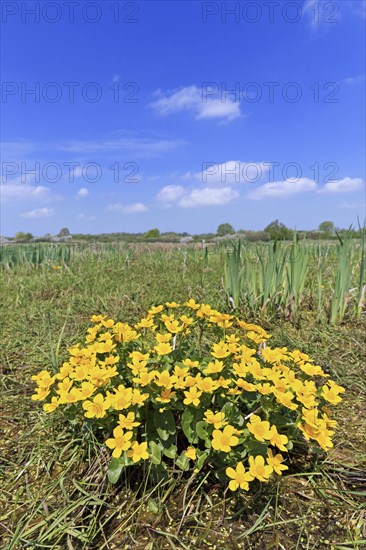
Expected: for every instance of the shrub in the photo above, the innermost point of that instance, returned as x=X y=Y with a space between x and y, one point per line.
x=190 y=387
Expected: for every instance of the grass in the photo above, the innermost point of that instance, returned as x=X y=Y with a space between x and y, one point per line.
x=54 y=488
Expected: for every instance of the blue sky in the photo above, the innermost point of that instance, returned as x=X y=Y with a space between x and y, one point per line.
x=122 y=116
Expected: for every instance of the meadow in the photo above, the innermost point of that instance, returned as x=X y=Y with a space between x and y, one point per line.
x=55 y=492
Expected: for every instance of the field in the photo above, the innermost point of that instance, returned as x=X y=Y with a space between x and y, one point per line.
x=54 y=488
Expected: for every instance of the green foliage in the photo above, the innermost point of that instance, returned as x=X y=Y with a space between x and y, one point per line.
x=278 y=231
x=190 y=387
x=327 y=227
x=23 y=237
x=225 y=229
x=64 y=232
x=152 y=233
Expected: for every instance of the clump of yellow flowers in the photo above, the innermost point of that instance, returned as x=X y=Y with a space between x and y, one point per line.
x=188 y=386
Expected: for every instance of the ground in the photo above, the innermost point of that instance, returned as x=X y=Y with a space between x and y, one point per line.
x=54 y=488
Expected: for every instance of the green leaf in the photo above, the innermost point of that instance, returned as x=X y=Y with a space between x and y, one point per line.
x=155 y=452
x=257 y=448
x=202 y=430
x=165 y=424
x=233 y=414
x=182 y=462
x=158 y=473
x=201 y=458
x=115 y=468
x=190 y=417
x=171 y=451
x=153 y=506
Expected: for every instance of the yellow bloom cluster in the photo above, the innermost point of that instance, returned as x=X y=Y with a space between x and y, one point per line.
x=191 y=356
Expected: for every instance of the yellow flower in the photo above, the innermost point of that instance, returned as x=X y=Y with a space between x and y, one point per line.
x=214 y=367
x=224 y=440
x=220 y=350
x=192 y=304
x=164 y=379
x=312 y=370
x=144 y=378
x=163 y=338
x=276 y=462
x=207 y=385
x=204 y=310
x=321 y=434
x=258 y=469
x=276 y=355
x=163 y=349
x=50 y=407
x=107 y=323
x=173 y=326
x=239 y=477
x=128 y=422
x=278 y=440
x=139 y=398
x=155 y=309
x=241 y=369
x=122 y=398
x=138 y=451
x=41 y=394
x=137 y=366
x=120 y=442
x=179 y=372
x=96 y=408
x=64 y=386
x=165 y=396
x=265 y=389
x=192 y=396
x=96 y=318
x=124 y=333
x=164 y=317
x=247 y=386
x=217 y=419
x=145 y=323
x=191 y=453
x=331 y=391
x=43 y=379
x=190 y=363
x=261 y=429
x=172 y=304
x=285 y=398
x=186 y=320
x=65 y=371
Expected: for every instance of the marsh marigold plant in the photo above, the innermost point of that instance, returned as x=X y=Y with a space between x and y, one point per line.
x=190 y=387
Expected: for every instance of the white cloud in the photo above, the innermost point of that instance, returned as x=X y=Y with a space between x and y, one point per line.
x=134 y=208
x=16 y=191
x=208 y=196
x=45 y=212
x=82 y=193
x=192 y=99
x=216 y=108
x=342 y=186
x=141 y=146
x=354 y=80
x=230 y=172
x=85 y=217
x=283 y=188
x=170 y=194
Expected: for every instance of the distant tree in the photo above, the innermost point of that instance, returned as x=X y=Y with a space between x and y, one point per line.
x=225 y=229
x=21 y=236
x=152 y=233
x=64 y=232
x=327 y=227
x=278 y=231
